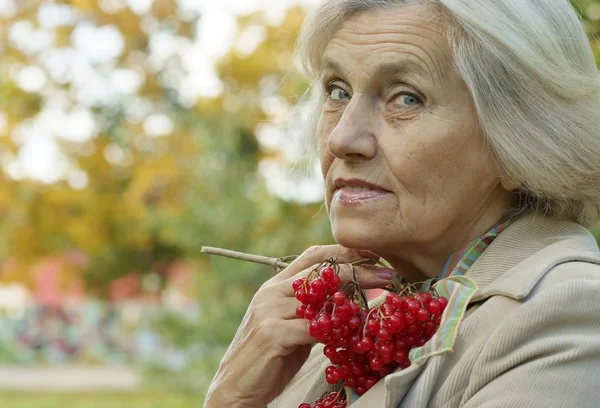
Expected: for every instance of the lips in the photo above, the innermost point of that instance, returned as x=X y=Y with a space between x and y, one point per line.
x=356 y=184
x=355 y=192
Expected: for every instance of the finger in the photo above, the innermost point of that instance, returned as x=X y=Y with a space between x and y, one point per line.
x=368 y=276
x=285 y=307
x=289 y=309
x=296 y=334
x=318 y=254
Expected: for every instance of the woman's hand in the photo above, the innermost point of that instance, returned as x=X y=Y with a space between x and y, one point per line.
x=271 y=343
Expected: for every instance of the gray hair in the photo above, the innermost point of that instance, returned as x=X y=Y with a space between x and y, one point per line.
x=530 y=69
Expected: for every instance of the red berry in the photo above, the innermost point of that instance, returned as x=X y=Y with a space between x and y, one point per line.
x=313 y=329
x=318 y=285
x=412 y=306
x=383 y=335
x=388 y=369
x=357 y=369
x=310 y=313
x=434 y=307
x=360 y=390
x=339 y=298
x=413 y=329
x=387 y=309
x=336 y=321
x=328 y=273
x=355 y=308
x=345 y=368
x=423 y=315
x=401 y=345
x=343 y=343
x=330 y=378
x=315 y=295
x=386 y=325
x=329 y=351
x=373 y=326
x=344 y=311
x=410 y=340
x=386 y=351
x=339 y=374
x=297 y=284
x=400 y=356
x=362 y=380
x=366 y=343
x=354 y=322
x=302 y=296
x=443 y=301
x=376 y=364
x=354 y=339
x=324 y=323
x=425 y=298
x=396 y=322
x=371 y=381
x=399 y=303
x=391 y=297
x=337 y=333
x=304 y=405
x=300 y=311
x=429 y=329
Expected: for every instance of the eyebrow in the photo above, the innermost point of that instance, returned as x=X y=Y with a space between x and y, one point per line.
x=388 y=68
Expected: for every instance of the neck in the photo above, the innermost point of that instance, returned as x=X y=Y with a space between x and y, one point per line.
x=419 y=263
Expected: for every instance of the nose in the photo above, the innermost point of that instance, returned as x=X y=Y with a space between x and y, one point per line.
x=353 y=139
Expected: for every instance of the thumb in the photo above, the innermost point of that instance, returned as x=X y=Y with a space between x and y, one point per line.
x=368 y=276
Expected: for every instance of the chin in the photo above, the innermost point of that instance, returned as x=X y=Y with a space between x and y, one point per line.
x=356 y=236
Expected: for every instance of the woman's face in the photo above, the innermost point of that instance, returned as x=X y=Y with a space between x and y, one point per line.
x=397 y=116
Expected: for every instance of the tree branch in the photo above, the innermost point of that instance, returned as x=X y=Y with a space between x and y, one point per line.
x=277 y=263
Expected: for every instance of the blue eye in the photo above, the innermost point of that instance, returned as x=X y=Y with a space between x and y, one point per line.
x=410 y=99
x=337 y=93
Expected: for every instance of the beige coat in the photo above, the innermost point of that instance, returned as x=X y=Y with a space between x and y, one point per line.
x=530 y=338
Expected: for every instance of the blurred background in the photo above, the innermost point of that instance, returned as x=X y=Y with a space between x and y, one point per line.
x=132 y=133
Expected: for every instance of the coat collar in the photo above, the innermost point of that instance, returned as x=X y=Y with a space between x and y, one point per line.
x=511 y=266
x=522 y=254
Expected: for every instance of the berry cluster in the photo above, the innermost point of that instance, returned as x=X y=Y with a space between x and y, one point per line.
x=314 y=293
x=333 y=400
x=364 y=345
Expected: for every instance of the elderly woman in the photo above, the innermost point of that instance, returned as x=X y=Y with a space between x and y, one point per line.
x=455 y=137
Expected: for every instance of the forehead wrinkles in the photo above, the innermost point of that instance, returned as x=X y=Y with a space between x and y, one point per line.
x=366 y=40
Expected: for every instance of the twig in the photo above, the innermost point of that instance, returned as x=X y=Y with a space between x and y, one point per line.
x=277 y=263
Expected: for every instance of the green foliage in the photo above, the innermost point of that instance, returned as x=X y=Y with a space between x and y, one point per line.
x=125 y=400
x=199 y=185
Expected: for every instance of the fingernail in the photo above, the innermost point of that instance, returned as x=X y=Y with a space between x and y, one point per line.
x=368 y=254
x=385 y=273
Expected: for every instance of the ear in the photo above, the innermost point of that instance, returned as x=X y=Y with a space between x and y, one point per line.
x=509 y=185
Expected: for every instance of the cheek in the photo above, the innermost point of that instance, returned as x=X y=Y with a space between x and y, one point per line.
x=324 y=129
x=431 y=163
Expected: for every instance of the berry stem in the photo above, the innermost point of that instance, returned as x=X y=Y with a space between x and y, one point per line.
x=367 y=261
x=360 y=291
x=367 y=319
x=277 y=263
